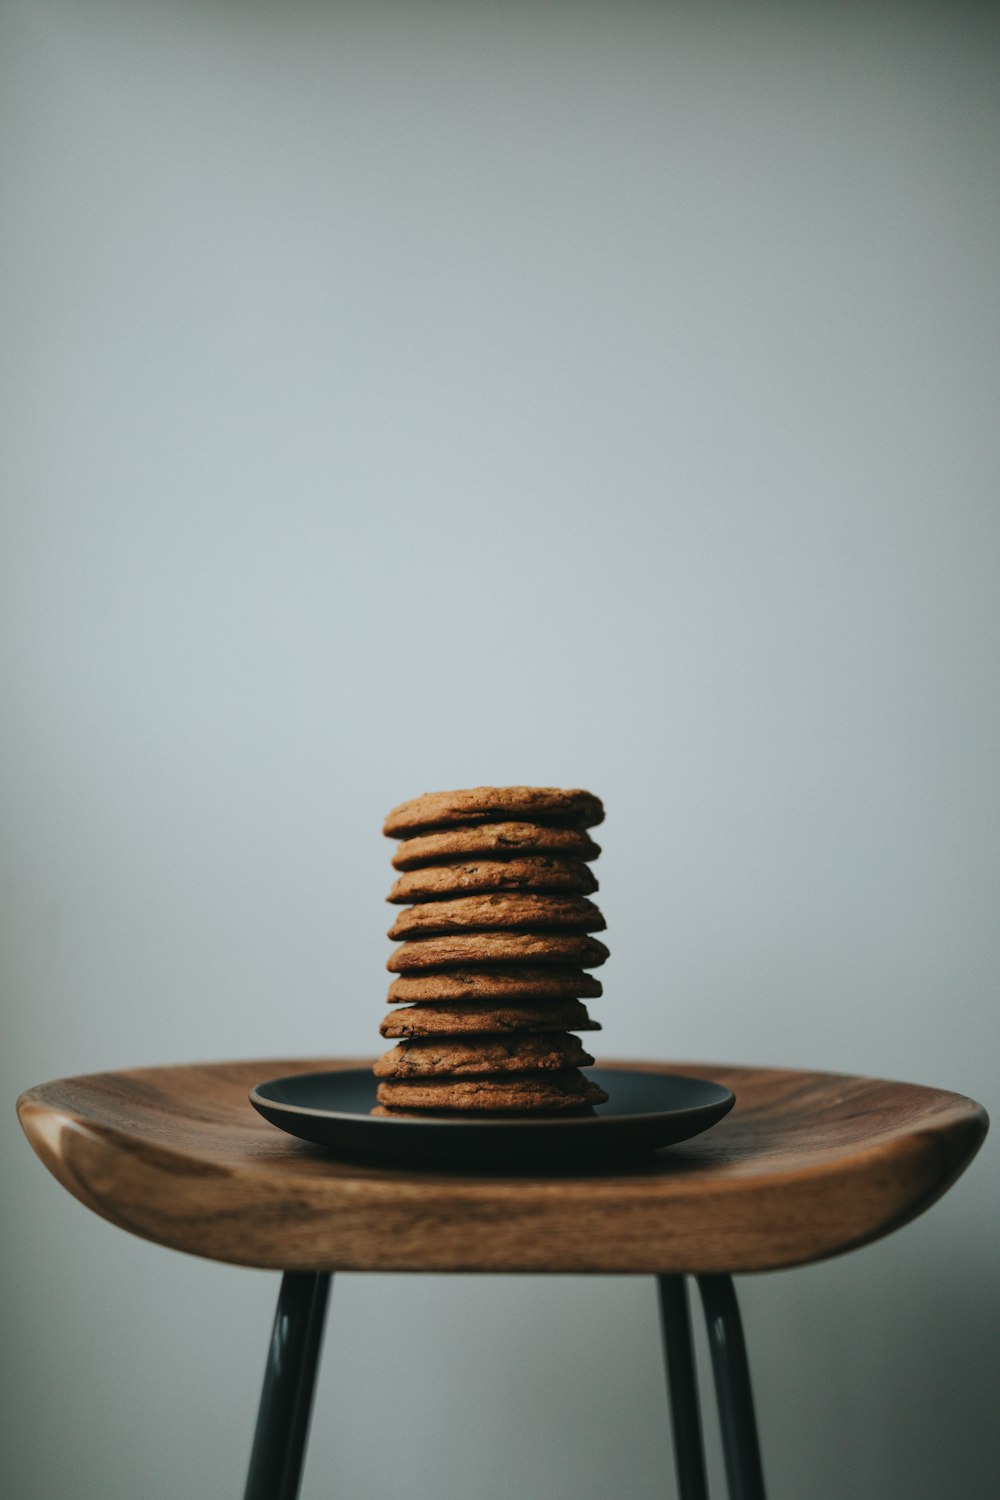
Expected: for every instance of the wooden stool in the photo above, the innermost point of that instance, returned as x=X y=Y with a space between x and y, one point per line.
x=805 y=1166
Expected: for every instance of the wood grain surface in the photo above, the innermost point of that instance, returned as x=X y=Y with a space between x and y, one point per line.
x=806 y=1165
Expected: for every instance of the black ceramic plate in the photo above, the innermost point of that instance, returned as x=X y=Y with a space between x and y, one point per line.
x=643 y=1111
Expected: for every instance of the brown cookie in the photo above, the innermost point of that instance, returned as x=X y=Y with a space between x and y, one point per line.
x=473 y=1057
x=489 y=804
x=520 y=982
x=574 y=1111
x=518 y=1092
x=482 y=913
x=474 y=877
x=463 y=948
x=496 y=841
x=487 y=1018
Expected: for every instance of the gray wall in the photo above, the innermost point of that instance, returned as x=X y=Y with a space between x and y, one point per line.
x=412 y=396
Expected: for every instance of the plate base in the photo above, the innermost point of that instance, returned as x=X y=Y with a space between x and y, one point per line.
x=644 y=1111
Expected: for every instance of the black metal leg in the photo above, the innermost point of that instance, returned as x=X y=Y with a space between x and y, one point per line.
x=685 y=1416
x=732 y=1386
x=289 y=1376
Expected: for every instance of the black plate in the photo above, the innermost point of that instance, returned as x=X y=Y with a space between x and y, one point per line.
x=643 y=1111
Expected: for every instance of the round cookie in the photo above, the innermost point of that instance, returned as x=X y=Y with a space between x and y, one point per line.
x=488 y=804
x=475 y=1056
x=487 y=1018
x=520 y=982
x=461 y=949
x=495 y=841
x=520 y=1092
x=390 y=1112
x=479 y=913
x=474 y=877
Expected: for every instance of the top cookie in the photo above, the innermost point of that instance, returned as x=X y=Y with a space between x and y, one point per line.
x=490 y=804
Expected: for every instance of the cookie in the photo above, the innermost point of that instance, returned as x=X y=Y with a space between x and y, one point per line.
x=487 y=1018
x=474 y=1056
x=532 y=1091
x=474 y=877
x=488 y=804
x=481 y=913
x=463 y=948
x=520 y=983
x=496 y=841
x=572 y=1111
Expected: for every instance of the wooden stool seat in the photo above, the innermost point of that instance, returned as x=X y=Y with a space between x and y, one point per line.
x=806 y=1165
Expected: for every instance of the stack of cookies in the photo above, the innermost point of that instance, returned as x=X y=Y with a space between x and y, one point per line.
x=496 y=941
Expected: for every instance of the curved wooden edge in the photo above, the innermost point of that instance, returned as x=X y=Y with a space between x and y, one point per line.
x=688 y=1214
x=149 y=1188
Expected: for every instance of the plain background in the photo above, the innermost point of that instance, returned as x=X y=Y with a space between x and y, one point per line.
x=400 y=397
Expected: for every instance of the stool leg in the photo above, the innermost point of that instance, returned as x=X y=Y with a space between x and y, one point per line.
x=732 y=1387
x=289 y=1376
x=685 y=1416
